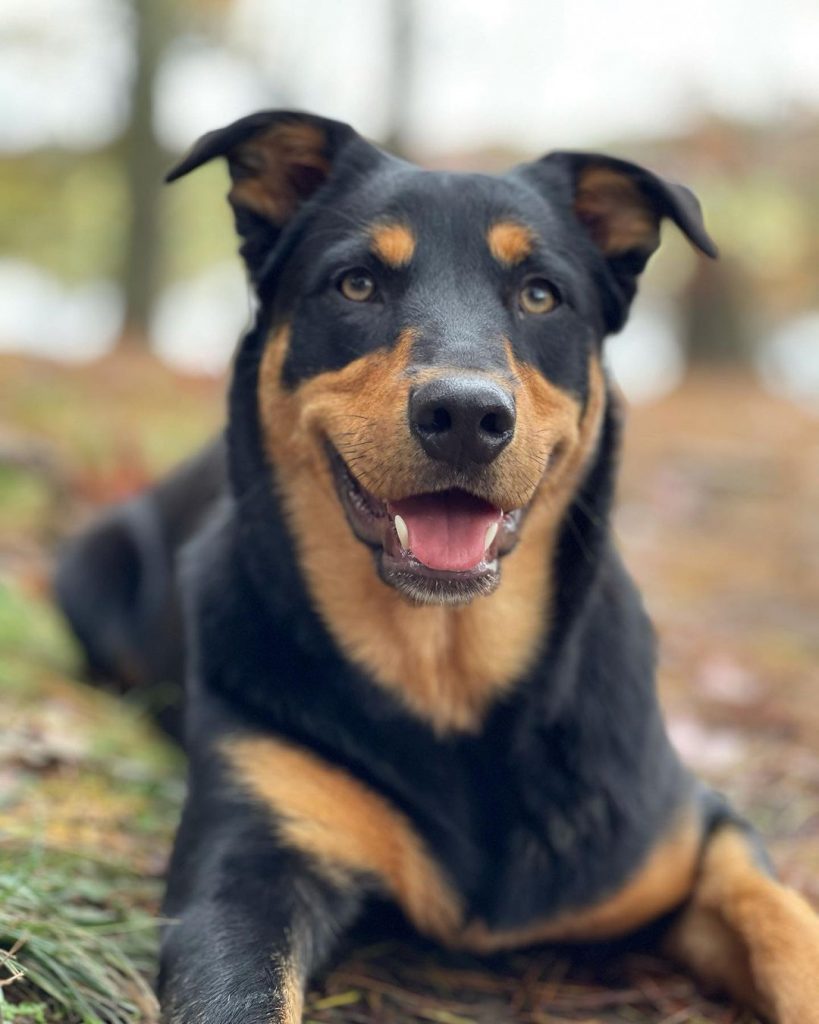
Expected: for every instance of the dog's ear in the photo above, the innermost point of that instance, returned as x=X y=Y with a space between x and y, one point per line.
x=621 y=206
x=277 y=160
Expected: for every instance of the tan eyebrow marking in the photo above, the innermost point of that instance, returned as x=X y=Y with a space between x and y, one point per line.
x=509 y=242
x=394 y=244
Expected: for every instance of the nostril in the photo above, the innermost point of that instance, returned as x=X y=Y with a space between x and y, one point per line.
x=489 y=424
x=496 y=422
x=433 y=419
x=440 y=421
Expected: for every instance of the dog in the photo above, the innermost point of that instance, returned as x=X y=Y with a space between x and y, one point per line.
x=417 y=670
x=116 y=585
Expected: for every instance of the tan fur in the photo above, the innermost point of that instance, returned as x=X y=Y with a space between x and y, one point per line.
x=660 y=884
x=393 y=244
x=267 y=162
x=345 y=827
x=750 y=936
x=509 y=242
x=616 y=212
x=348 y=828
x=291 y=986
x=447 y=664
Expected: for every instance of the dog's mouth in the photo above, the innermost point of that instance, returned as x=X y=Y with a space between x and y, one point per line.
x=441 y=547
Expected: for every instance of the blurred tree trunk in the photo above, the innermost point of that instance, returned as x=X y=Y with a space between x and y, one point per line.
x=144 y=163
x=402 y=15
x=716 y=327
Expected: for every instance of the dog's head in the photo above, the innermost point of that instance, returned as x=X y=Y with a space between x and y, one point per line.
x=431 y=340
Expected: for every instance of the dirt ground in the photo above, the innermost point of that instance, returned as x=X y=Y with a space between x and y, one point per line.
x=718 y=521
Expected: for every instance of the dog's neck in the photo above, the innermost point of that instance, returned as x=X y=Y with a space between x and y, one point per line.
x=448 y=665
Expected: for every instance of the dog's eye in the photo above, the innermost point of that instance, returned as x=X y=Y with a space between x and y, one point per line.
x=537 y=296
x=357 y=286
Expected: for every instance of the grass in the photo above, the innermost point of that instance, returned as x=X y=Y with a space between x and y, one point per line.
x=89 y=794
x=88 y=799
x=76 y=948
x=23 y=498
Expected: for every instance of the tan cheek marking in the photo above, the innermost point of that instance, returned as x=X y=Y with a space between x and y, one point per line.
x=546 y=415
x=345 y=827
x=550 y=421
x=615 y=211
x=749 y=935
x=394 y=244
x=661 y=884
x=545 y=412
x=509 y=243
x=366 y=391
x=446 y=664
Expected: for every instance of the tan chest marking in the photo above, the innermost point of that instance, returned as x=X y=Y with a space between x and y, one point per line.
x=448 y=665
x=345 y=828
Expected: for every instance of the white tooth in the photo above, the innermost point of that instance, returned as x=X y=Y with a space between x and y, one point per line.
x=491 y=534
x=403 y=532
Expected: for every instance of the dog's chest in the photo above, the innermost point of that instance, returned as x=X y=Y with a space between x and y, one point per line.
x=541 y=851
x=552 y=846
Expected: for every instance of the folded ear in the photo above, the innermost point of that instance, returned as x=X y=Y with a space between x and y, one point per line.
x=621 y=207
x=277 y=160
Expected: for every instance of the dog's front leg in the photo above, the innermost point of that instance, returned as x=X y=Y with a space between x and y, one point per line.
x=248 y=920
x=744 y=933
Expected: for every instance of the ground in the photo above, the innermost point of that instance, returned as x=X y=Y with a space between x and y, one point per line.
x=717 y=519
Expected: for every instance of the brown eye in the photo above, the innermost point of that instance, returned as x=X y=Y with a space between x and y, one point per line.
x=357 y=286
x=537 y=296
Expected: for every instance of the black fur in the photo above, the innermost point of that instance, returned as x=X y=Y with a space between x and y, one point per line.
x=116 y=585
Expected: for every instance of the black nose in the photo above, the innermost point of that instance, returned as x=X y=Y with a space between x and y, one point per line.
x=460 y=420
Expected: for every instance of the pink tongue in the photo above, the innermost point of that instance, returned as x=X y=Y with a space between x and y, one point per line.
x=447 y=530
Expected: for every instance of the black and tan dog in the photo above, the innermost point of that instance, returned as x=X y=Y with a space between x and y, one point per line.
x=418 y=670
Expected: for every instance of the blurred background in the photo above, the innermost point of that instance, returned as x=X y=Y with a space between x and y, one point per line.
x=98 y=96
x=121 y=301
